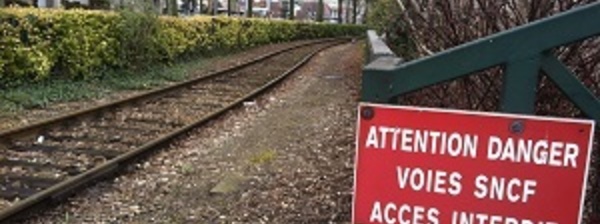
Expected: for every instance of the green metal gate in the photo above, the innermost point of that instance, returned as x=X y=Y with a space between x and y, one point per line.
x=524 y=51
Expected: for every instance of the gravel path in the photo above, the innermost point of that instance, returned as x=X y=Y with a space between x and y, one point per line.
x=285 y=158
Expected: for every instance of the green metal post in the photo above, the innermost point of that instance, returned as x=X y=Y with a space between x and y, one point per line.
x=520 y=84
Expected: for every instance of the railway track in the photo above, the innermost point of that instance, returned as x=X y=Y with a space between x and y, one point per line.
x=46 y=161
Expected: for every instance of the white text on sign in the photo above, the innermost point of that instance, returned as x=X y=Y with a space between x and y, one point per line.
x=539 y=152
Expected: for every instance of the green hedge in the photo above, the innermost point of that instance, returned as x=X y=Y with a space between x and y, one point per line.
x=36 y=44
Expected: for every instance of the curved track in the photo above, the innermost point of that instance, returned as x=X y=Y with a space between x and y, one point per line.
x=46 y=161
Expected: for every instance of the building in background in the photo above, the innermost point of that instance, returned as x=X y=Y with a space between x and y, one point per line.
x=304 y=10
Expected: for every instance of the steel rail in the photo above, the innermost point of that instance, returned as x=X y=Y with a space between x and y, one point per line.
x=66 y=187
x=36 y=127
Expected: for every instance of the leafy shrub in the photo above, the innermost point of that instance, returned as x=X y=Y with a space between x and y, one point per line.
x=37 y=44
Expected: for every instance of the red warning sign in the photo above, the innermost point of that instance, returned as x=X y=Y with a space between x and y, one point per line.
x=433 y=166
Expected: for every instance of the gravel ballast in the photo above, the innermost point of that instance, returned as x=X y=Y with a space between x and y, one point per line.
x=285 y=158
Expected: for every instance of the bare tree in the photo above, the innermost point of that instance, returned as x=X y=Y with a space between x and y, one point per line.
x=320 y=7
x=172 y=7
x=249 y=9
x=340 y=11
x=354 y=10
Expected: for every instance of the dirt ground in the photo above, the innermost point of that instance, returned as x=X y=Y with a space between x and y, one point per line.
x=285 y=158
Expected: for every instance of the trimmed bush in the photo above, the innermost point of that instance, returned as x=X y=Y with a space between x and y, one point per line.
x=36 y=44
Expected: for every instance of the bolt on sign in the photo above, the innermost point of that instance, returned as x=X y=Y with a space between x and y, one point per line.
x=433 y=166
